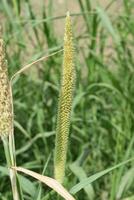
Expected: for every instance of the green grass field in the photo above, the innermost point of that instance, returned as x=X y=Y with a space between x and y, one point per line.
x=102 y=123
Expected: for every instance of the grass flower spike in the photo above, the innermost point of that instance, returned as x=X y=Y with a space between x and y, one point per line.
x=65 y=103
x=6 y=122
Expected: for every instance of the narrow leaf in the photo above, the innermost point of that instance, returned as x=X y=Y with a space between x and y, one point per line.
x=33 y=63
x=52 y=183
x=80 y=173
x=125 y=183
x=94 y=177
x=107 y=23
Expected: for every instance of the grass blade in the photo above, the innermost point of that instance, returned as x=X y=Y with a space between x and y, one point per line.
x=52 y=183
x=94 y=177
x=107 y=23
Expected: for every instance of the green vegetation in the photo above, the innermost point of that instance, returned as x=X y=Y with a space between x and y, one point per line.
x=101 y=139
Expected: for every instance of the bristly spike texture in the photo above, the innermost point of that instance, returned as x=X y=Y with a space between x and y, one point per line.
x=6 y=118
x=65 y=103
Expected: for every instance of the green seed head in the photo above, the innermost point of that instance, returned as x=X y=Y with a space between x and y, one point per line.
x=65 y=102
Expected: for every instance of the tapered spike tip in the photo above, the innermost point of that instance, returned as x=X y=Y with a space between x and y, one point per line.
x=68 y=14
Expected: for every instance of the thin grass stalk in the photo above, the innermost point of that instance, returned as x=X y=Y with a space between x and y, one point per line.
x=6 y=122
x=65 y=104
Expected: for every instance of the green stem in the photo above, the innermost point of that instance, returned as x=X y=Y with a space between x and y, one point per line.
x=6 y=149
x=10 y=158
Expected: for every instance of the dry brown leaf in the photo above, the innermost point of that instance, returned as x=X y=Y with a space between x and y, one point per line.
x=52 y=183
x=35 y=62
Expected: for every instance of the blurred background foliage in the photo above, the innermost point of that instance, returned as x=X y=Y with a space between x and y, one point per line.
x=102 y=127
